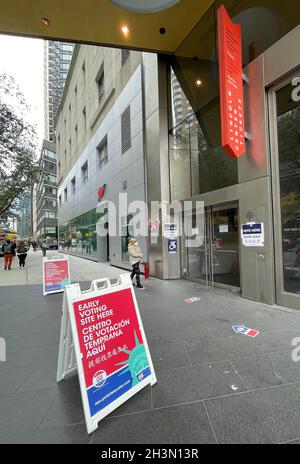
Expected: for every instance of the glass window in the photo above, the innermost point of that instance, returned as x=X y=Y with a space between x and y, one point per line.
x=198 y=164
x=100 y=83
x=73 y=183
x=125 y=55
x=103 y=152
x=127 y=232
x=50 y=215
x=49 y=153
x=288 y=124
x=79 y=236
x=84 y=172
x=50 y=178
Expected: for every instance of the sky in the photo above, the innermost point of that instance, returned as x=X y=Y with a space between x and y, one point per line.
x=23 y=59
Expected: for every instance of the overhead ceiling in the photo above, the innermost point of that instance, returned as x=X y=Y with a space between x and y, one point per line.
x=100 y=22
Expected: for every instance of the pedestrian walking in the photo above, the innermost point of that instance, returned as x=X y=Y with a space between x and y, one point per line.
x=44 y=247
x=34 y=245
x=22 y=250
x=8 y=250
x=135 y=256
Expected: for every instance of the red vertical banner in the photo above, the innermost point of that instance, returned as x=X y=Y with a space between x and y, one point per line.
x=231 y=85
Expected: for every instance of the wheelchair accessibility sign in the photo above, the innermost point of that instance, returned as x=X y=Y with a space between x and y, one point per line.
x=172 y=246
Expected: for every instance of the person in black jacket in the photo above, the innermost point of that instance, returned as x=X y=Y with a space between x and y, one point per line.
x=22 y=253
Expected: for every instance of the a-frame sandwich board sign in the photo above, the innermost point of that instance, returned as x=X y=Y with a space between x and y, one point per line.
x=112 y=356
x=56 y=274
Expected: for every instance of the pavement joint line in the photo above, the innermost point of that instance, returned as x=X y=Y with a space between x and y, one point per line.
x=151 y=396
x=210 y=423
x=229 y=395
x=20 y=386
x=46 y=414
x=186 y=352
x=240 y=377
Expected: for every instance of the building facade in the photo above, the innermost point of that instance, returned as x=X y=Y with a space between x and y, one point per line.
x=100 y=152
x=24 y=221
x=57 y=58
x=46 y=194
x=184 y=161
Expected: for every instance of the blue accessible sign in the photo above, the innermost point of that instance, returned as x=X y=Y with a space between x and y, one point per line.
x=172 y=247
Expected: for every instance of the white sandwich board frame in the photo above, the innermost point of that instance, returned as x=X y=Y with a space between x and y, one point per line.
x=69 y=344
x=54 y=259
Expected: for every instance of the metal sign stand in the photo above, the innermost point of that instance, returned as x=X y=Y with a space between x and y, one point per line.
x=71 y=358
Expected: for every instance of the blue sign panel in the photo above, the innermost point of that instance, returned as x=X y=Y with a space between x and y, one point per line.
x=172 y=246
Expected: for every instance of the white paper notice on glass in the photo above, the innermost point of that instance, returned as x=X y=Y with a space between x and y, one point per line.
x=224 y=229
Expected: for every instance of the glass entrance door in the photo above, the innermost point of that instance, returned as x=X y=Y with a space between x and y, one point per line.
x=225 y=256
x=285 y=143
x=217 y=260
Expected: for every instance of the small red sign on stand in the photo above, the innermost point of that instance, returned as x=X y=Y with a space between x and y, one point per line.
x=231 y=85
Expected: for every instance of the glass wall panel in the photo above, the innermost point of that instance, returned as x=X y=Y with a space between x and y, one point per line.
x=198 y=164
x=288 y=125
x=79 y=236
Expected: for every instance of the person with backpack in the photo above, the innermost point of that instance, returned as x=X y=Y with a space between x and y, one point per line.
x=44 y=247
x=8 y=250
x=22 y=250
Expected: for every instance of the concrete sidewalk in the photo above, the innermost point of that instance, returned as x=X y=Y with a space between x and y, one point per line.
x=81 y=270
x=214 y=386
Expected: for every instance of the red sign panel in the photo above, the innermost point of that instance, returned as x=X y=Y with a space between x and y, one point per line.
x=112 y=348
x=56 y=275
x=231 y=85
x=101 y=192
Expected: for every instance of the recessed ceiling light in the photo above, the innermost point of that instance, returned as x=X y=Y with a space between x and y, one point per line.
x=45 y=21
x=198 y=82
x=125 y=30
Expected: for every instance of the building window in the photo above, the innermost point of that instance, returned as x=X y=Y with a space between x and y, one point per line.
x=103 y=152
x=73 y=183
x=83 y=71
x=125 y=55
x=50 y=215
x=85 y=173
x=66 y=194
x=84 y=118
x=100 y=82
x=50 y=178
x=49 y=153
x=76 y=133
x=126 y=130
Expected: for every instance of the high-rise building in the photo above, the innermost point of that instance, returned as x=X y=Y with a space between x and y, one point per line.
x=46 y=193
x=57 y=58
x=181 y=107
x=24 y=216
